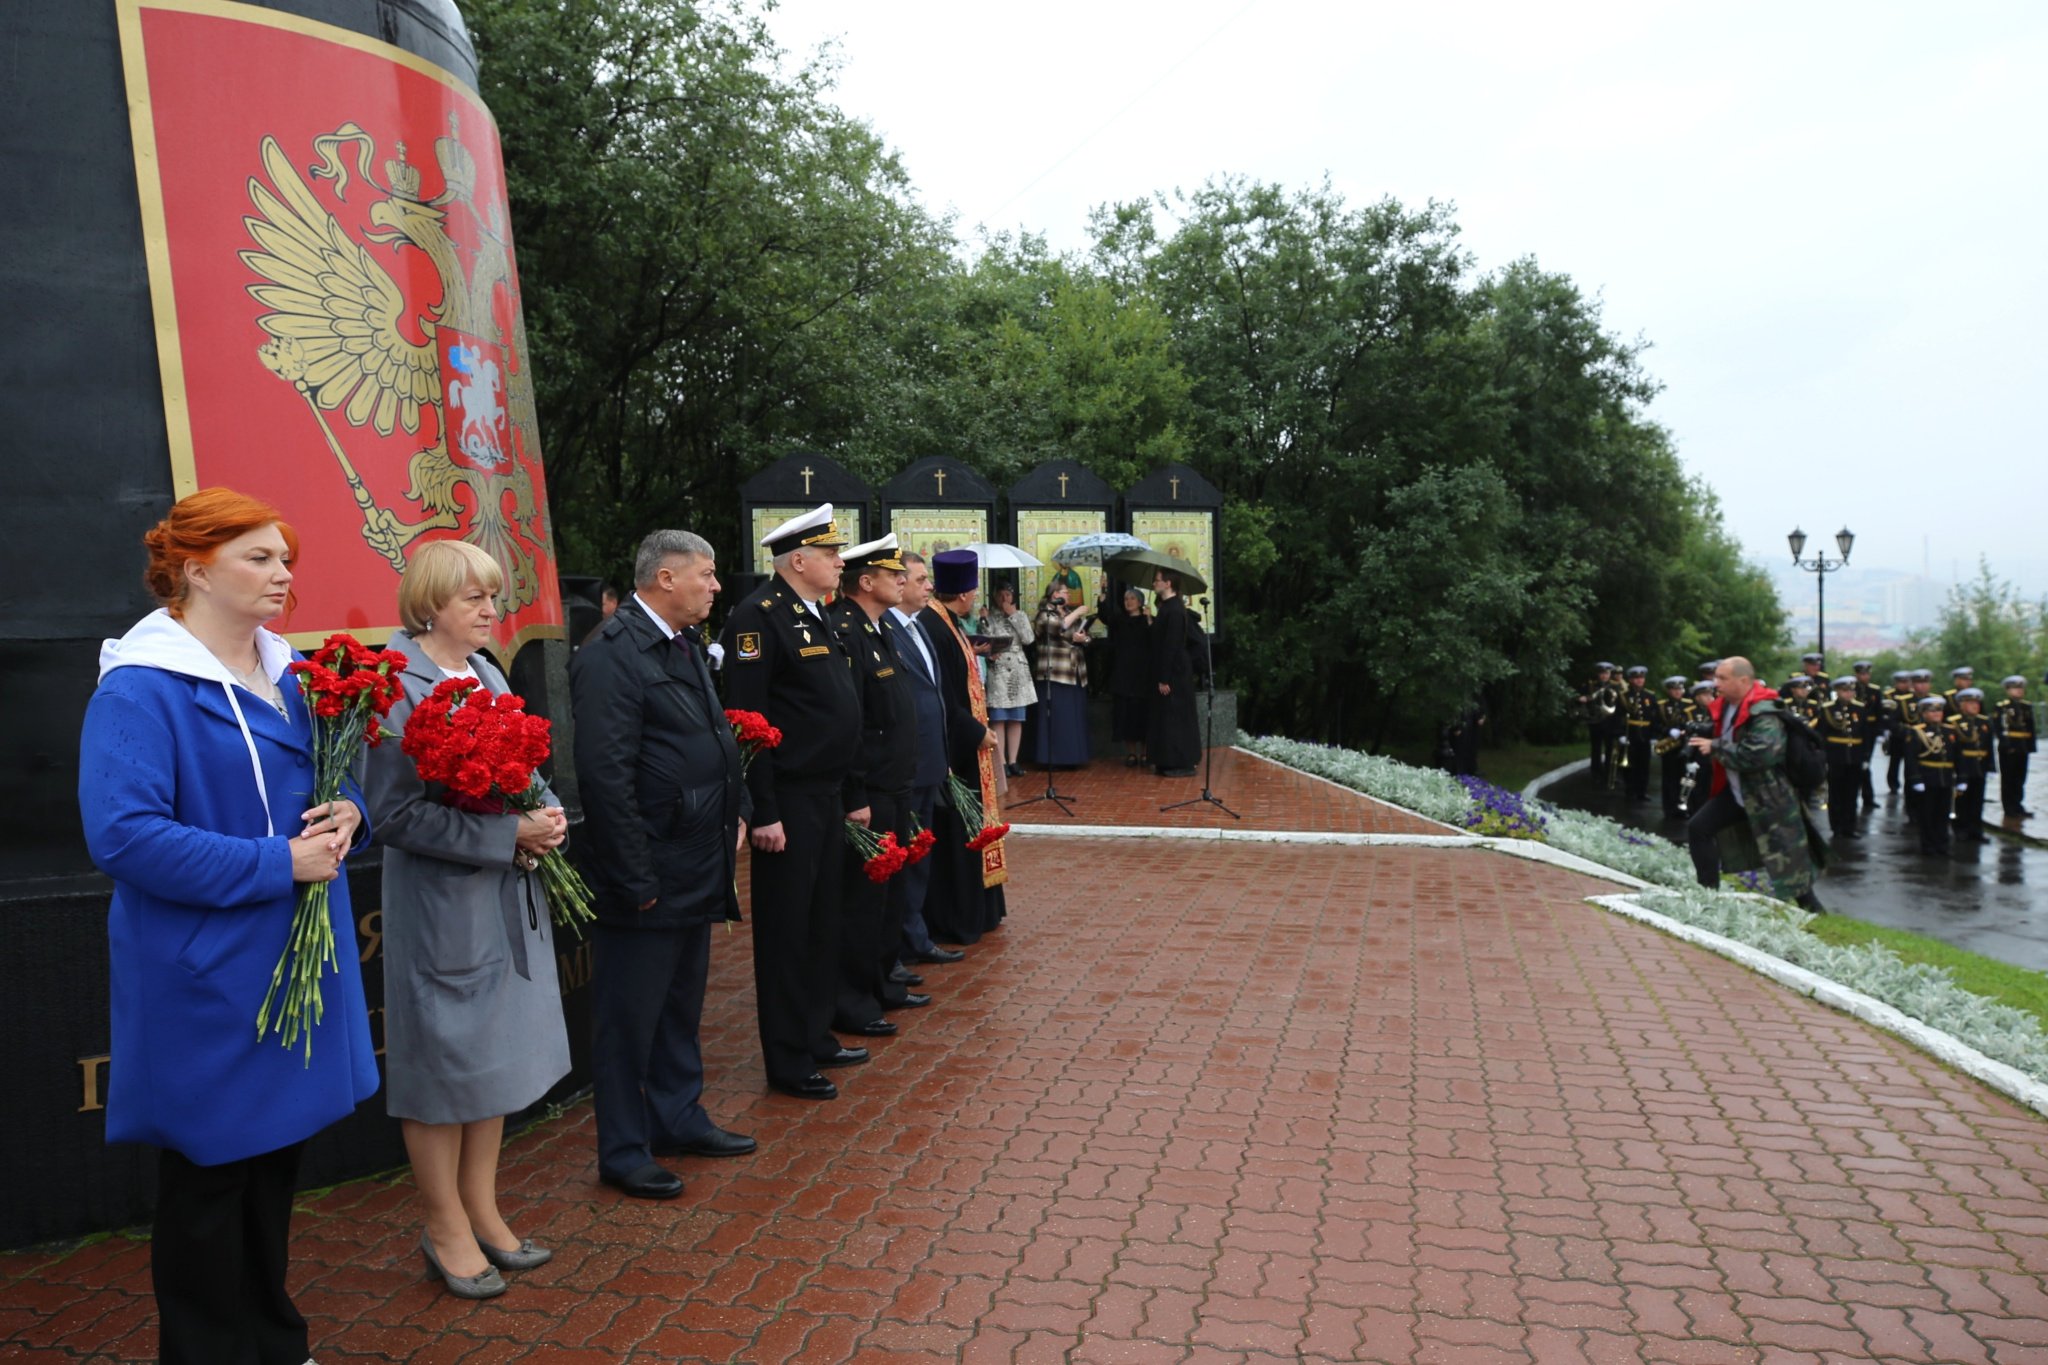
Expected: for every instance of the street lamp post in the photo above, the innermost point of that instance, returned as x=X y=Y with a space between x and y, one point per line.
x=1821 y=566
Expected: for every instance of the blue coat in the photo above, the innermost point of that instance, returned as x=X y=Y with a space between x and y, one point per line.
x=202 y=905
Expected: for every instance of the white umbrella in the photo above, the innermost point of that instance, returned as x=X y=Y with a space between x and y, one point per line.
x=994 y=554
x=1097 y=546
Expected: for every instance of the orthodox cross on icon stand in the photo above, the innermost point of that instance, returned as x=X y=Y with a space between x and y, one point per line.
x=807 y=472
x=1063 y=485
x=1175 y=481
x=940 y=475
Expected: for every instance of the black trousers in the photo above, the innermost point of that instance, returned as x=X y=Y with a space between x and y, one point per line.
x=2012 y=779
x=917 y=879
x=1969 y=807
x=1703 y=832
x=797 y=897
x=217 y=1258
x=1674 y=776
x=646 y=1069
x=871 y=923
x=1891 y=770
x=1866 y=759
x=1600 y=748
x=1844 y=772
x=1638 y=742
x=1930 y=817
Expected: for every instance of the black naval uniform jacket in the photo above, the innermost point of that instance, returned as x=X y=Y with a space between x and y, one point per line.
x=1931 y=756
x=1975 y=752
x=2015 y=727
x=783 y=660
x=888 y=707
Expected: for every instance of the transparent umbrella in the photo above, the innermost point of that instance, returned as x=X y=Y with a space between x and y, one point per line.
x=1097 y=546
x=994 y=554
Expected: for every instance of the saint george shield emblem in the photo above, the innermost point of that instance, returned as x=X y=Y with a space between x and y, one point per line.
x=473 y=390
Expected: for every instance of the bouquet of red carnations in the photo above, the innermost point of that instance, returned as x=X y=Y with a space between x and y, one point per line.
x=881 y=856
x=921 y=841
x=349 y=688
x=752 y=732
x=967 y=801
x=485 y=750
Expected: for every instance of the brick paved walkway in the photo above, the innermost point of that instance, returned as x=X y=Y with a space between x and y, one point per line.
x=1253 y=1103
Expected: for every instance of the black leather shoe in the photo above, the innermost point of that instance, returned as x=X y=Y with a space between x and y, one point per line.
x=811 y=1087
x=911 y=1001
x=904 y=978
x=938 y=954
x=846 y=1056
x=873 y=1028
x=649 y=1182
x=717 y=1142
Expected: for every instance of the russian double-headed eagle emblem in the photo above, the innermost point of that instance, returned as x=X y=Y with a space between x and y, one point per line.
x=351 y=340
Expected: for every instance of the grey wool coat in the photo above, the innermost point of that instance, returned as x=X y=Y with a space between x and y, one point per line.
x=472 y=1010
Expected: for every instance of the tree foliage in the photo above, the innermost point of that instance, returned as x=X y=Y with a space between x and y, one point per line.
x=1440 y=483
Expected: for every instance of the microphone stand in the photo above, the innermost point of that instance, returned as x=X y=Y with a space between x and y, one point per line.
x=1045 y=716
x=1208 y=735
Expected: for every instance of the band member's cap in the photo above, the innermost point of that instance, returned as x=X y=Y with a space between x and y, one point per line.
x=1933 y=703
x=1702 y=686
x=1861 y=665
x=1603 y=667
x=1813 y=658
x=1923 y=675
x=1638 y=671
x=1798 y=680
x=1707 y=667
x=2014 y=681
x=1969 y=694
x=1675 y=680
x=1900 y=675
x=876 y=554
x=1846 y=680
x=812 y=530
x=1962 y=671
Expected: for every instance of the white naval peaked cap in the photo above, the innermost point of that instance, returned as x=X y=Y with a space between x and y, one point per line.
x=814 y=527
x=878 y=554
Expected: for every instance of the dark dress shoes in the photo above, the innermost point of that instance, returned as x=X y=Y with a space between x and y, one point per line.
x=911 y=1001
x=811 y=1087
x=846 y=1056
x=716 y=1142
x=937 y=954
x=873 y=1028
x=649 y=1182
x=904 y=978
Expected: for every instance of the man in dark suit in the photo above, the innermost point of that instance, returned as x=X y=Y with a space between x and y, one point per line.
x=665 y=809
x=929 y=775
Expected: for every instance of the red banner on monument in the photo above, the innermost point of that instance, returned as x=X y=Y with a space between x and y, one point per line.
x=336 y=303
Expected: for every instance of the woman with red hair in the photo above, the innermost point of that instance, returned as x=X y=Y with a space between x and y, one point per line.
x=193 y=772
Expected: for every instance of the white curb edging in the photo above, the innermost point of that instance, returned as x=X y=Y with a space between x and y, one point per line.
x=1941 y=1046
x=1534 y=791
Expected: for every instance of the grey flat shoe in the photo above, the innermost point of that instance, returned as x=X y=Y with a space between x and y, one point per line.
x=526 y=1257
x=488 y=1285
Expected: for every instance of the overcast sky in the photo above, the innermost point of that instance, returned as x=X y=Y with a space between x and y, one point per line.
x=1829 y=220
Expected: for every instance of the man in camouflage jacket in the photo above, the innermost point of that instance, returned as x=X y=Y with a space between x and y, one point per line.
x=1752 y=798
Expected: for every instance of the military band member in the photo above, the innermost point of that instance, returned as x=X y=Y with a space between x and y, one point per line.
x=1674 y=713
x=1797 y=695
x=1959 y=677
x=1706 y=671
x=871 y=917
x=1816 y=681
x=1600 y=705
x=2015 y=746
x=1976 y=760
x=1639 y=717
x=1890 y=716
x=1703 y=692
x=1867 y=696
x=1931 y=772
x=783 y=661
x=1841 y=725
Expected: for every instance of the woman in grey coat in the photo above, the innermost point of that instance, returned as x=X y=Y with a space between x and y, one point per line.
x=473 y=1026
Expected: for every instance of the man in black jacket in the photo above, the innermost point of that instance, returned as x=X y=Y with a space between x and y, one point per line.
x=664 y=811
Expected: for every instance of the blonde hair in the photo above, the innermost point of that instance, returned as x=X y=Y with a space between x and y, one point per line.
x=438 y=571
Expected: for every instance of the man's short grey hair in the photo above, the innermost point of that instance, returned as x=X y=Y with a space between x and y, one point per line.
x=660 y=546
x=911 y=557
x=781 y=561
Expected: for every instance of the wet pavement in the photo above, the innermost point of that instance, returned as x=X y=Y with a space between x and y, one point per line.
x=1989 y=898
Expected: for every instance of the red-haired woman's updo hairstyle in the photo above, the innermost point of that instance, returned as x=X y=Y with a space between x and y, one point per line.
x=195 y=530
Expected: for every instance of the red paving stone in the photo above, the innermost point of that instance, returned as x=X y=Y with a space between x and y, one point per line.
x=1264 y=795
x=1245 y=1103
